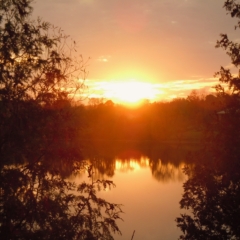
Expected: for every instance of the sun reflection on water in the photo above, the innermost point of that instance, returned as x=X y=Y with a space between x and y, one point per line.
x=131 y=164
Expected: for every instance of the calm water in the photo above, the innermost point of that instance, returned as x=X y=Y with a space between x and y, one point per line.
x=150 y=191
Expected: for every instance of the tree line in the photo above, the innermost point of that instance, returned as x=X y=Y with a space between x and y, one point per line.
x=181 y=119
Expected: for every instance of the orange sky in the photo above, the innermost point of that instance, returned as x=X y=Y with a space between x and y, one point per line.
x=169 y=43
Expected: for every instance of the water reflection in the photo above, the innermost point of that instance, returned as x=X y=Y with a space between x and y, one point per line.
x=37 y=199
x=132 y=164
x=148 y=184
x=212 y=198
x=36 y=203
x=168 y=171
x=166 y=162
x=212 y=191
x=163 y=172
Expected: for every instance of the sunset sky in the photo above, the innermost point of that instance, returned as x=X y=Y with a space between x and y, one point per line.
x=168 y=45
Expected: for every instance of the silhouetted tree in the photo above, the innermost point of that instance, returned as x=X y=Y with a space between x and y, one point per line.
x=39 y=132
x=37 y=72
x=211 y=193
x=35 y=60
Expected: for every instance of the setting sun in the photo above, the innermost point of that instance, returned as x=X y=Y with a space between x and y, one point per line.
x=129 y=92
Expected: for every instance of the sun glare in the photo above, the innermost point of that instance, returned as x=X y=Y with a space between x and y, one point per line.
x=129 y=92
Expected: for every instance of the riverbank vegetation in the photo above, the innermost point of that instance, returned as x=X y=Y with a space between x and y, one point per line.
x=179 y=120
x=39 y=74
x=211 y=193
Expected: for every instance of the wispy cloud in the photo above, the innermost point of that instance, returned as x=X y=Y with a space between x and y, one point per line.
x=104 y=58
x=162 y=91
x=157 y=39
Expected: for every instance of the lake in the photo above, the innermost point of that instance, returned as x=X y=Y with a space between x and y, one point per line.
x=42 y=198
x=148 y=187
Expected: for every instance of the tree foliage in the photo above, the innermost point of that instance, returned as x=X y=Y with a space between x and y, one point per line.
x=211 y=193
x=39 y=146
x=233 y=50
x=39 y=72
x=35 y=60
